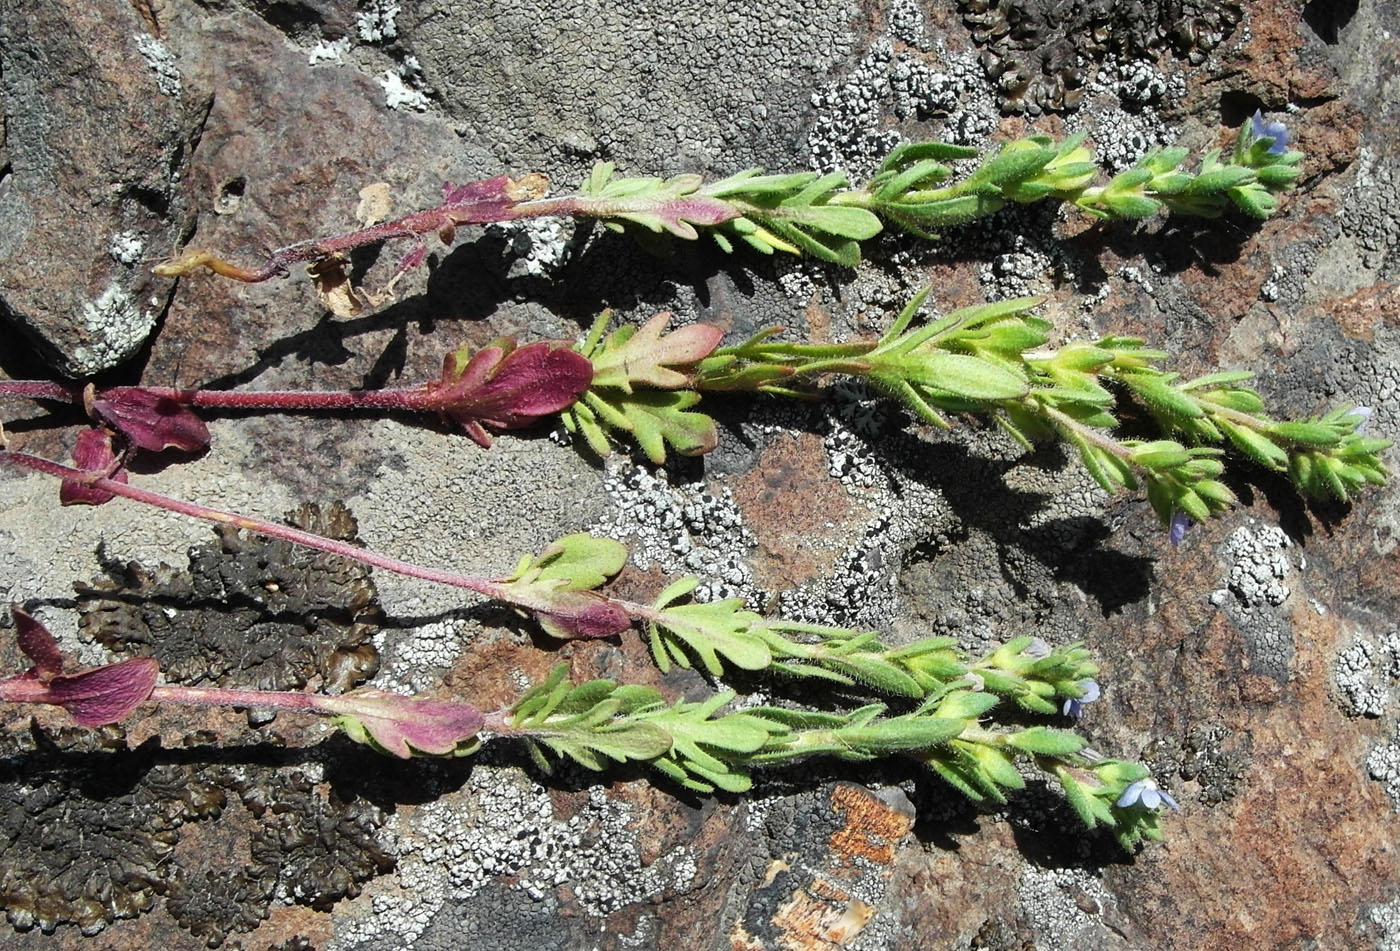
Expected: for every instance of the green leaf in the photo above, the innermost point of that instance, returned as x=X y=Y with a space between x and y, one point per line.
x=1263 y=450
x=1015 y=161
x=713 y=630
x=1307 y=434
x=971 y=378
x=913 y=152
x=910 y=732
x=649 y=355
x=1092 y=810
x=1163 y=454
x=1130 y=205
x=1160 y=396
x=1218 y=180
x=579 y=562
x=876 y=672
x=925 y=172
x=1046 y=742
x=656 y=419
x=839 y=220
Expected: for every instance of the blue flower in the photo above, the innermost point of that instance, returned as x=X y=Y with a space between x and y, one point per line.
x=1147 y=794
x=1269 y=130
x=1036 y=649
x=1365 y=412
x=1180 y=524
x=1074 y=706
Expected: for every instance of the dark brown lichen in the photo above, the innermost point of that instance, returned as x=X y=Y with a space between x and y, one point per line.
x=249 y=610
x=216 y=903
x=88 y=826
x=1043 y=54
x=320 y=848
x=1212 y=756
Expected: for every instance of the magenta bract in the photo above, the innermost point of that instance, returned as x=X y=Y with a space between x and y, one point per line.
x=151 y=421
x=94 y=697
x=505 y=387
x=93 y=452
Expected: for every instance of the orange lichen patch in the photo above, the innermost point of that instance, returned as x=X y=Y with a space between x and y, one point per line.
x=872 y=830
x=823 y=918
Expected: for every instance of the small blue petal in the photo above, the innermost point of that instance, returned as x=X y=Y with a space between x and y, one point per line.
x=1269 y=130
x=1181 y=523
x=1074 y=706
x=1147 y=794
x=1132 y=794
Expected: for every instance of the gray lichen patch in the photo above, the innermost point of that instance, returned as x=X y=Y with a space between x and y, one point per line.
x=442 y=501
x=661 y=87
x=1258 y=583
x=1211 y=755
x=249 y=611
x=1259 y=566
x=502 y=829
x=681 y=527
x=114 y=327
x=856 y=111
x=1366 y=672
x=1065 y=909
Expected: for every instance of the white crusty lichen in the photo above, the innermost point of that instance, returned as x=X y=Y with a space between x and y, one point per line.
x=328 y=51
x=1365 y=671
x=126 y=247
x=1064 y=907
x=114 y=328
x=399 y=93
x=682 y=528
x=1259 y=566
x=376 y=21
x=161 y=62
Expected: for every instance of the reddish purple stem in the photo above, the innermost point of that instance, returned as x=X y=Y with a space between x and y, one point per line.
x=613 y=609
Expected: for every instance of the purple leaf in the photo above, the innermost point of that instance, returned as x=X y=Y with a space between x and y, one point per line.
x=103 y=695
x=94 y=697
x=504 y=387
x=402 y=725
x=95 y=453
x=151 y=421
x=581 y=614
x=490 y=199
x=38 y=645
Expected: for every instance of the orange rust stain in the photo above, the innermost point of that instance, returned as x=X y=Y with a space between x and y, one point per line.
x=872 y=830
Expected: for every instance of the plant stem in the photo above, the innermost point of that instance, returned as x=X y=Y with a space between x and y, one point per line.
x=486 y=587
x=40 y=390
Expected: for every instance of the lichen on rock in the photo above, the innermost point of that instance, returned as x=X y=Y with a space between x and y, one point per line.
x=1042 y=55
x=251 y=611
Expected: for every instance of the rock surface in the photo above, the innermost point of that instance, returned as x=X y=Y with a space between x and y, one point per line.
x=1256 y=668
